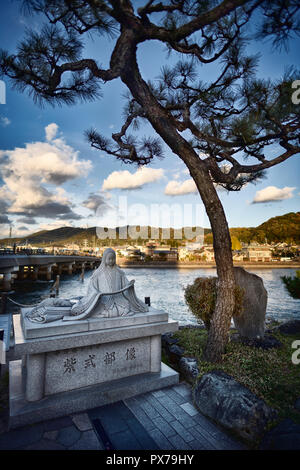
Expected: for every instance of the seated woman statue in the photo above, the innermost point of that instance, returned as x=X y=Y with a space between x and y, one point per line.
x=109 y=294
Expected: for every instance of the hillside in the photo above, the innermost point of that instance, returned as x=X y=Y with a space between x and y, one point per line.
x=284 y=228
x=67 y=235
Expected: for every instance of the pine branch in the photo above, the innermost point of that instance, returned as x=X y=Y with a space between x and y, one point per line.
x=128 y=148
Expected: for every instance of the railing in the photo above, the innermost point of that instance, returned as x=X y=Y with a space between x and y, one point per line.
x=31 y=252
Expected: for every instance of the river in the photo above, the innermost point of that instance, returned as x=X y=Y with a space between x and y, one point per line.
x=165 y=287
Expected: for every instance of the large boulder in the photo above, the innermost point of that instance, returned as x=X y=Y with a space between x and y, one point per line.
x=233 y=406
x=251 y=322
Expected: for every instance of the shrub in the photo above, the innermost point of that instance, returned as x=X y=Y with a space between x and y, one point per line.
x=201 y=298
x=292 y=284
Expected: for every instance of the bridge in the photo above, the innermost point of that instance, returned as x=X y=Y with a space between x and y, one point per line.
x=34 y=267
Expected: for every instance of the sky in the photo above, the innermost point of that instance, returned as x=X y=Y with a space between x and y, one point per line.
x=51 y=177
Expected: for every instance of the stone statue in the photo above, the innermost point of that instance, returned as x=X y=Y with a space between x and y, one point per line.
x=109 y=294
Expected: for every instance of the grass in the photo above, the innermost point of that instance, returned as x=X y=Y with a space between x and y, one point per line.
x=269 y=374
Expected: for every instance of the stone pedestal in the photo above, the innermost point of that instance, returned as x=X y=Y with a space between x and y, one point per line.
x=66 y=367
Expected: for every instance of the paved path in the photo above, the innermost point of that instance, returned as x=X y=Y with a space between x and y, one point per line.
x=164 y=420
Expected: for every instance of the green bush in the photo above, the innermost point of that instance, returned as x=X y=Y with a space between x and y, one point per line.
x=201 y=298
x=292 y=284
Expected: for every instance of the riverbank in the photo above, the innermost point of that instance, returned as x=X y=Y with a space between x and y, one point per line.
x=180 y=265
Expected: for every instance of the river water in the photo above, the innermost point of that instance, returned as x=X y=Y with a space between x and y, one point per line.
x=165 y=287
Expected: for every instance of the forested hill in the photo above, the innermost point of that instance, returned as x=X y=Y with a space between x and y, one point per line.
x=67 y=235
x=283 y=228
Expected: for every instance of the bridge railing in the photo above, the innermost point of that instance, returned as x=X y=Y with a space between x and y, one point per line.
x=32 y=252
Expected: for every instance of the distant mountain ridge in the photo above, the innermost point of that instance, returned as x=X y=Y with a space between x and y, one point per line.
x=68 y=235
x=284 y=228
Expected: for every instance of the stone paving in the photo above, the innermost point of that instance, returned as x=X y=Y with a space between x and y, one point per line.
x=165 y=419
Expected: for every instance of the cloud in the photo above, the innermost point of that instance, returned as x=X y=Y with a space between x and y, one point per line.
x=54 y=225
x=4 y=219
x=273 y=194
x=49 y=209
x=20 y=231
x=52 y=162
x=26 y=171
x=5 y=121
x=177 y=188
x=127 y=180
x=27 y=220
x=4 y=201
x=4 y=205
x=97 y=203
x=51 y=131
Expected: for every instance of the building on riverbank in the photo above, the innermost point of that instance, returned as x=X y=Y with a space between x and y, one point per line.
x=257 y=253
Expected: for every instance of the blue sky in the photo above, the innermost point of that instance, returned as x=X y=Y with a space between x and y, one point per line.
x=47 y=182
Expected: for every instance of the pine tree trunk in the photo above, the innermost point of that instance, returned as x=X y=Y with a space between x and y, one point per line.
x=163 y=123
x=220 y=323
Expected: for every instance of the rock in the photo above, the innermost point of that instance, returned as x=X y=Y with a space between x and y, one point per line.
x=233 y=406
x=171 y=349
x=189 y=368
x=175 y=353
x=168 y=339
x=251 y=322
x=291 y=327
x=285 y=436
x=267 y=342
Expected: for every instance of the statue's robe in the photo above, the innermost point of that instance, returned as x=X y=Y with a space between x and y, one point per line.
x=101 y=285
x=109 y=294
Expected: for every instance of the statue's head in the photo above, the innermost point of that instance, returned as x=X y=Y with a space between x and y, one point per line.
x=109 y=257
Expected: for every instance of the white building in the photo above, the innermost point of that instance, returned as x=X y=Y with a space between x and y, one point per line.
x=258 y=253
